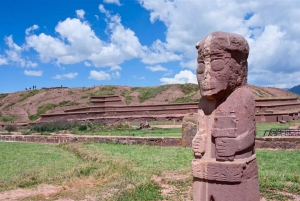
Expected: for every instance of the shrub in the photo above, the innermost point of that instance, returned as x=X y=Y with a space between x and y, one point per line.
x=11 y=128
x=82 y=127
x=53 y=126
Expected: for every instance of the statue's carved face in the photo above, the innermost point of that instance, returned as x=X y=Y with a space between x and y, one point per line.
x=222 y=64
x=213 y=73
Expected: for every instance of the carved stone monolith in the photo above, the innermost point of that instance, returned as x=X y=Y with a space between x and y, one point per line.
x=225 y=166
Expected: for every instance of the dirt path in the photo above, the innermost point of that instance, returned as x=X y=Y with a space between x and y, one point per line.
x=18 y=194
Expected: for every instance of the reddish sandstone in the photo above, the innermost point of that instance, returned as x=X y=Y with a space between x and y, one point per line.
x=225 y=166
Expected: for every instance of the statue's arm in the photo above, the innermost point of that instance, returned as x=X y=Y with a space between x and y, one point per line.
x=199 y=141
x=230 y=146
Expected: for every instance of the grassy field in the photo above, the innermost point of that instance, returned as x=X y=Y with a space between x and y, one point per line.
x=158 y=132
x=121 y=172
x=261 y=127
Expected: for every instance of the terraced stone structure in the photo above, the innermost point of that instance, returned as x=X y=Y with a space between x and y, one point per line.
x=111 y=109
x=225 y=166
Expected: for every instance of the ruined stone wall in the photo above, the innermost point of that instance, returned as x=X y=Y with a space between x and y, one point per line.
x=168 y=141
x=260 y=143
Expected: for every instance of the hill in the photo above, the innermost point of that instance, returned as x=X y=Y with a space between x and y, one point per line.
x=26 y=106
x=295 y=89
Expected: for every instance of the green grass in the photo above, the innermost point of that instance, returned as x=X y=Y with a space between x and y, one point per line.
x=279 y=171
x=28 y=94
x=126 y=95
x=105 y=91
x=158 y=132
x=186 y=99
x=8 y=118
x=262 y=127
x=3 y=96
x=153 y=123
x=150 y=92
x=127 y=171
x=189 y=88
x=27 y=164
x=42 y=110
x=68 y=103
x=84 y=97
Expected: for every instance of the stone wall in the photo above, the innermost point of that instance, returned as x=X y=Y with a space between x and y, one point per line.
x=260 y=143
x=168 y=141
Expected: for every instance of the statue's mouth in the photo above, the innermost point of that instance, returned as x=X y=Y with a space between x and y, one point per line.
x=206 y=87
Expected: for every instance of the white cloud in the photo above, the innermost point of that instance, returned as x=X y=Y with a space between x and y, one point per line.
x=156 y=68
x=80 y=14
x=65 y=76
x=182 y=77
x=112 y=1
x=159 y=68
x=33 y=72
x=87 y=63
x=3 y=60
x=116 y=75
x=14 y=54
x=32 y=28
x=274 y=39
x=114 y=68
x=99 y=75
x=77 y=42
x=158 y=53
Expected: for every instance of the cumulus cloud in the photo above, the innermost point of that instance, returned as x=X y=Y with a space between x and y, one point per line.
x=14 y=54
x=158 y=53
x=80 y=14
x=65 y=76
x=33 y=73
x=182 y=77
x=116 y=75
x=77 y=42
x=3 y=60
x=112 y=1
x=99 y=75
x=159 y=68
x=32 y=28
x=114 y=68
x=87 y=63
x=156 y=68
x=273 y=39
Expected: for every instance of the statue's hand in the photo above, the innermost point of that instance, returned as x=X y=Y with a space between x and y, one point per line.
x=226 y=147
x=198 y=144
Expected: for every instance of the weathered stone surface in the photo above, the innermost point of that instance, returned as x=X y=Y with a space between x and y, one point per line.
x=189 y=128
x=225 y=166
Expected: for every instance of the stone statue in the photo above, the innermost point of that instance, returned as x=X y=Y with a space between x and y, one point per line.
x=225 y=166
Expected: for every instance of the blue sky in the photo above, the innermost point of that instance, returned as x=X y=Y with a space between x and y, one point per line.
x=140 y=42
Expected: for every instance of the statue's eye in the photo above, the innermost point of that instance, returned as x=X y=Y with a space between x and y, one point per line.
x=217 y=64
x=200 y=67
